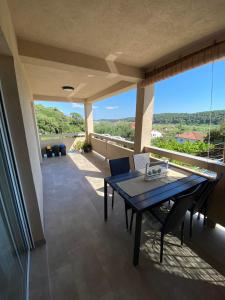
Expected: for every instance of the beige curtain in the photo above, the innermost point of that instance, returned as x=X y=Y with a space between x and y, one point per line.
x=203 y=56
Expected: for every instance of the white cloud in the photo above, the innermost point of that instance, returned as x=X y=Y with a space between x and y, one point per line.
x=77 y=105
x=111 y=107
x=95 y=107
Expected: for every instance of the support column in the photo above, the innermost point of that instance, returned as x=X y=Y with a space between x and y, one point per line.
x=144 y=116
x=36 y=132
x=89 y=125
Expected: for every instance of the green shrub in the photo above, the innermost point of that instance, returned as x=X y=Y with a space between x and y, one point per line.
x=79 y=145
x=195 y=148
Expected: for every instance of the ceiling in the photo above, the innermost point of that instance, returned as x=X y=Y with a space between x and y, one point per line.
x=49 y=81
x=136 y=33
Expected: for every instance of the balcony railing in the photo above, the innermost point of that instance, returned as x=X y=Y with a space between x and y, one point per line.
x=122 y=142
x=110 y=147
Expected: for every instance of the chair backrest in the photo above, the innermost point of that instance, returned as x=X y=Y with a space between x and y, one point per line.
x=179 y=209
x=119 y=166
x=140 y=161
x=204 y=194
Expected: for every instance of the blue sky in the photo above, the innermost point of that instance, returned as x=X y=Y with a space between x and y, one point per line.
x=187 y=92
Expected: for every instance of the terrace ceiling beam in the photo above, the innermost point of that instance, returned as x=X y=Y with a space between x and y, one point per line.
x=45 y=55
x=57 y=98
x=119 y=87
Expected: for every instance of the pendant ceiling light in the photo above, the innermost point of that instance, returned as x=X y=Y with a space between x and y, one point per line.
x=68 y=88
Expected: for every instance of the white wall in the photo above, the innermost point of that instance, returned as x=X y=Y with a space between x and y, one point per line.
x=25 y=99
x=29 y=124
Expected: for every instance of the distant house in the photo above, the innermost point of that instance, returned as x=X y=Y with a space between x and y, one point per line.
x=156 y=134
x=189 y=136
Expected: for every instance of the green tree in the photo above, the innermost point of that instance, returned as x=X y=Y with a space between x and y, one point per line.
x=77 y=120
x=50 y=120
x=217 y=135
x=121 y=128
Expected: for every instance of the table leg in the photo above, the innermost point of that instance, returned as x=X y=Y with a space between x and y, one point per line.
x=105 y=201
x=137 y=239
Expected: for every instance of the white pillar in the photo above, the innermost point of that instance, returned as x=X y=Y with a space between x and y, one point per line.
x=144 y=116
x=89 y=125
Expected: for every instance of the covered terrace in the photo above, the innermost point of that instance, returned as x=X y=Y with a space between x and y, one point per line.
x=100 y=48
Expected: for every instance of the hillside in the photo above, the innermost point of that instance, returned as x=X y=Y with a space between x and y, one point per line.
x=51 y=120
x=218 y=117
x=129 y=119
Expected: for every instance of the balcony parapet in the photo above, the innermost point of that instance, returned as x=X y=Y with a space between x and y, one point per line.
x=201 y=162
x=122 y=142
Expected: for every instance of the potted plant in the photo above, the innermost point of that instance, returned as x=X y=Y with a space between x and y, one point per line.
x=86 y=147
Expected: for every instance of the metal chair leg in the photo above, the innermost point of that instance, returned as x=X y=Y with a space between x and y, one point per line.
x=112 y=199
x=161 y=247
x=131 y=220
x=182 y=233
x=126 y=216
x=205 y=209
x=191 y=221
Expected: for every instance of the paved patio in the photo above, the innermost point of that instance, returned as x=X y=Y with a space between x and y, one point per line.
x=86 y=258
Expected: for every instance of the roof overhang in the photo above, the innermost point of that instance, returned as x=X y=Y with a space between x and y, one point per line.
x=107 y=48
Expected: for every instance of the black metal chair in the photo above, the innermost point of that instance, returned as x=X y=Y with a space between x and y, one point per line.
x=200 y=203
x=120 y=166
x=170 y=221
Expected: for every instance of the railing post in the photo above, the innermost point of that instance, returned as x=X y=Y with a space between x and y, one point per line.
x=89 y=125
x=144 y=116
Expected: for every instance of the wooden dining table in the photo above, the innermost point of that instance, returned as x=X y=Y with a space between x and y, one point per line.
x=147 y=196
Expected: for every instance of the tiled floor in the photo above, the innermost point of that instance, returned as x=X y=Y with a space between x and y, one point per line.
x=86 y=258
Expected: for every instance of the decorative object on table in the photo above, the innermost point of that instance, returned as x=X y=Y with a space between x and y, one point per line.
x=155 y=170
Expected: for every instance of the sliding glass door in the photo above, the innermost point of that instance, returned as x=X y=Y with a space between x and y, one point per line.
x=14 y=229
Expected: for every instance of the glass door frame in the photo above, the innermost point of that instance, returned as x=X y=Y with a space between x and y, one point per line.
x=15 y=184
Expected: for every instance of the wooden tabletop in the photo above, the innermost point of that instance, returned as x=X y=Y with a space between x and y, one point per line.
x=154 y=196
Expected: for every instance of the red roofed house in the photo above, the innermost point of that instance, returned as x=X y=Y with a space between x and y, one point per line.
x=189 y=136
